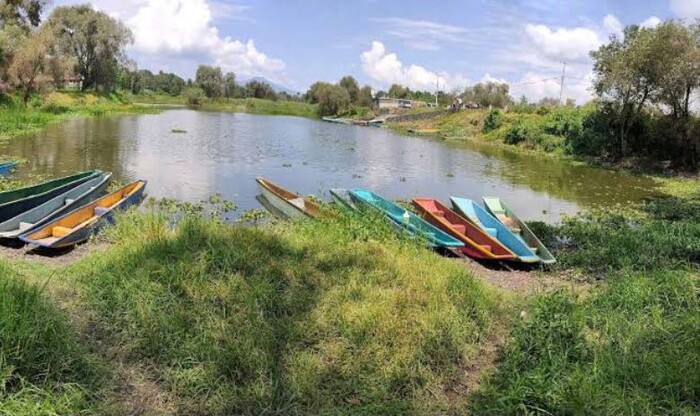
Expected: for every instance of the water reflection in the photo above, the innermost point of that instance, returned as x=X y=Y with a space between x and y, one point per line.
x=223 y=152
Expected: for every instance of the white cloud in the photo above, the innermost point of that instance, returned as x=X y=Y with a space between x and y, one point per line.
x=167 y=30
x=686 y=9
x=612 y=25
x=563 y=44
x=536 y=86
x=386 y=68
x=422 y=34
x=651 y=22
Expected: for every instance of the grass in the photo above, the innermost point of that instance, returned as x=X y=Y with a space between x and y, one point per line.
x=15 y=119
x=260 y=106
x=631 y=344
x=43 y=368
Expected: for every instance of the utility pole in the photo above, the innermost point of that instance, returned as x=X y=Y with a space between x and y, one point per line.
x=561 y=86
x=437 y=90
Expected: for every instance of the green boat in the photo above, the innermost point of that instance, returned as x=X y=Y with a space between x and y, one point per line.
x=409 y=221
x=17 y=201
x=499 y=209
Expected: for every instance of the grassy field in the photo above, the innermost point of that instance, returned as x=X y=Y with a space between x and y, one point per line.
x=239 y=105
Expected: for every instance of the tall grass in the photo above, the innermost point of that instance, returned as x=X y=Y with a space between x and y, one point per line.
x=632 y=345
x=310 y=318
x=42 y=366
x=260 y=106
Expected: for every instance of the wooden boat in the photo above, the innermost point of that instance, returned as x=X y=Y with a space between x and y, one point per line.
x=477 y=243
x=54 y=208
x=6 y=167
x=341 y=197
x=78 y=225
x=479 y=217
x=499 y=209
x=406 y=220
x=288 y=203
x=15 y=202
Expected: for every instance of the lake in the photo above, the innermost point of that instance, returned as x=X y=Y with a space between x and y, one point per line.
x=223 y=153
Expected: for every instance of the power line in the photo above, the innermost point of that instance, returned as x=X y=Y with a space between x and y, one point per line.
x=561 y=87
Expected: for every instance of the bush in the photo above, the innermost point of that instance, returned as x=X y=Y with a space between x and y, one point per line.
x=57 y=103
x=493 y=120
x=194 y=95
x=517 y=133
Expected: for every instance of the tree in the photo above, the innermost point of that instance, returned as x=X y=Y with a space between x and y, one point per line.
x=194 y=95
x=399 y=91
x=625 y=79
x=229 y=85
x=364 y=97
x=29 y=68
x=488 y=94
x=351 y=87
x=23 y=13
x=95 y=40
x=211 y=80
x=332 y=99
x=257 y=89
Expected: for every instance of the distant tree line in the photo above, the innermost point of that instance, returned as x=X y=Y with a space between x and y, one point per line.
x=340 y=98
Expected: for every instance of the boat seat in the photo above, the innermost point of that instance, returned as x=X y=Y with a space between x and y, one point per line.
x=440 y=213
x=101 y=211
x=492 y=231
x=460 y=228
x=59 y=231
x=25 y=226
x=68 y=201
x=516 y=230
x=486 y=247
x=298 y=202
x=534 y=249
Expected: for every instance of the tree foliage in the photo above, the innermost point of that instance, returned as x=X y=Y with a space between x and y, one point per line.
x=95 y=40
x=258 y=89
x=399 y=91
x=488 y=94
x=30 y=67
x=23 y=13
x=211 y=80
x=351 y=86
x=229 y=85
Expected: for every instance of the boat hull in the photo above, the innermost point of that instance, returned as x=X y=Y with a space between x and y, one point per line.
x=477 y=243
x=86 y=221
x=414 y=224
x=291 y=205
x=481 y=218
x=342 y=198
x=6 y=168
x=503 y=213
x=54 y=208
x=33 y=196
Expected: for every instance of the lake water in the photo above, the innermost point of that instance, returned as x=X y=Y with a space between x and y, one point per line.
x=224 y=152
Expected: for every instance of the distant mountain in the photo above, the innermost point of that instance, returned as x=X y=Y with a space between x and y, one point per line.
x=275 y=87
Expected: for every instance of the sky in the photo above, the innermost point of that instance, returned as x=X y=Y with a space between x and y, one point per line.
x=418 y=43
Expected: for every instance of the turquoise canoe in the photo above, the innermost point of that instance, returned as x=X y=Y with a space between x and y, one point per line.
x=481 y=218
x=499 y=209
x=406 y=220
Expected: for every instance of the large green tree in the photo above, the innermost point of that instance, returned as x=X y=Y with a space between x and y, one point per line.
x=230 y=85
x=351 y=86
x=399 y=91
x=95 y=40
x=211 y=80
x=258 y=89
x=23 y=13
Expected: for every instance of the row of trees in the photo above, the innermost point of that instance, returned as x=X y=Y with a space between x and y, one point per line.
x=644 y=81
x=74 y=42
x=333 y=99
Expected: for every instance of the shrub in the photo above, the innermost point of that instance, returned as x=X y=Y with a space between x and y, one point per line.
x=194 y=95
x=517 y=133
x=493 y=120
x=57 y=103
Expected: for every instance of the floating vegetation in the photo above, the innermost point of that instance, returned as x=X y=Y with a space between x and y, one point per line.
x=178 y=130
x=286 y=165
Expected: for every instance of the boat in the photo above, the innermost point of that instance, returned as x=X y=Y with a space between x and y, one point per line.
x=288 y=203
x=15 y=202
x=341 y=197
x=54 y=208
x=477 y=243
x=481 y=218
x=503 y=213
x=337 y=120
x=407 y=220
x=6 y=167
x=78 y=225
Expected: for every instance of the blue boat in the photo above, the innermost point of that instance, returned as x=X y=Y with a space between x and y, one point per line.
x=481 y=218
x=406 y=220
x=6 y=167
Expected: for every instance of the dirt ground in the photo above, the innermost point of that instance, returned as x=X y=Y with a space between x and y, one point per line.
x=16 y=250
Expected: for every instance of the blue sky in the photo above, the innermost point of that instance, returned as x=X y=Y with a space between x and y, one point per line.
x=414 y=42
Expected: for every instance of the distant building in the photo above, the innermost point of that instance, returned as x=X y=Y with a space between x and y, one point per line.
x=74 y=82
